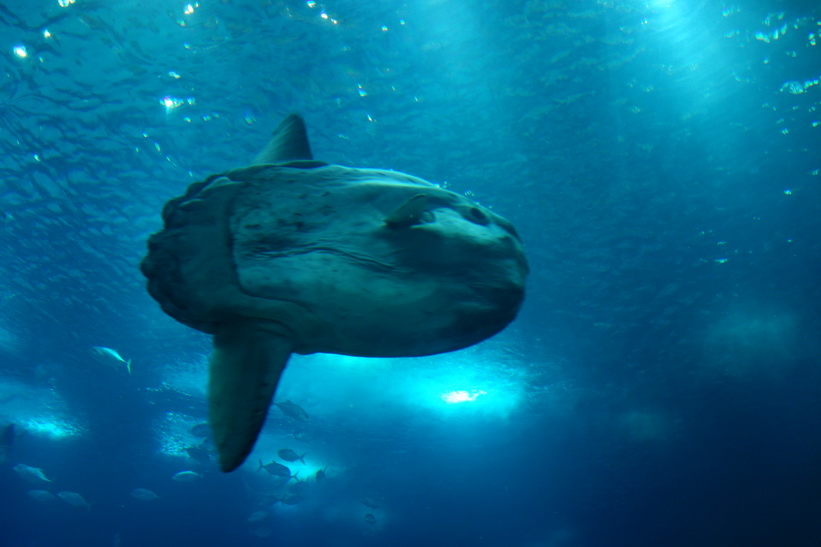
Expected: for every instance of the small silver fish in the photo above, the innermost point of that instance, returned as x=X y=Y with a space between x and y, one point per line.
x=202 y=430
x=262 y=532
x=369 y=502
x=258 y=516
x=31 y=474
x=199 y=453
x=186 y=476
x=292 y=410
x=274 y=468
x=299 y=487
x=293 y=499
x=41 y=495
x=144 y=494
x=109 y=356
x=74 y=499
x=290 y=456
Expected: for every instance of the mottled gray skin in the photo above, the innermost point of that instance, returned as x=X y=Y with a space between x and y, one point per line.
x=304 y=249
x=301 y=257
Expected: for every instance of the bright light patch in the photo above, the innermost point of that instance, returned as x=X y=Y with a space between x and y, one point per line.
x=20 y=51
x=462 y=396
x=37 y=411
x=475 y=394
x=328 y=384
x=53 y=429
x=171 y=102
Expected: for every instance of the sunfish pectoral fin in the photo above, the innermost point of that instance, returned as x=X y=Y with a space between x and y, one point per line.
x=245 y=368
x=413 y=211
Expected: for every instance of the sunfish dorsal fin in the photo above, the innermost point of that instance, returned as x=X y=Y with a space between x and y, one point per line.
x=289 y=142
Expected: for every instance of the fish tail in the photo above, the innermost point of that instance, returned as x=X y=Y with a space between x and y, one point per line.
x=261 y=466
x=302 y=456
x=128 y=366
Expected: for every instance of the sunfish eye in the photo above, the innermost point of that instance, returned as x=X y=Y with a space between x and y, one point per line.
x=476 y=215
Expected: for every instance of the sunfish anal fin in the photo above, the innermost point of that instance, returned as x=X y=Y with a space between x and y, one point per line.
x=289 y=142
x=245 y=368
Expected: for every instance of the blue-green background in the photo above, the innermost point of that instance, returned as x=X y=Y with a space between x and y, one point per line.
x=662 y=384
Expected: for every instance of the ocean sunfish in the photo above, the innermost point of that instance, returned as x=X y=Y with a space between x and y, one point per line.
x=74 y=499
x=293 y=255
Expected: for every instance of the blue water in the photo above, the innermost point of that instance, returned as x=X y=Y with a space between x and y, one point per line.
x=661 y=385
